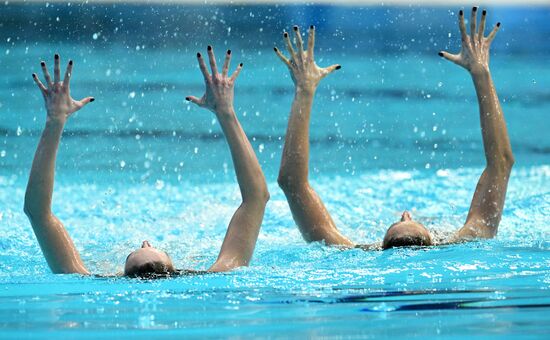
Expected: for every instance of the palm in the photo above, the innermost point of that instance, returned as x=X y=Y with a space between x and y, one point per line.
x=57 y=97
x=304 y=71
x=474 y=53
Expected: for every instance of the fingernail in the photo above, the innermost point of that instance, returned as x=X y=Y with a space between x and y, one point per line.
x=241 y=64
x=209 y=47
x=42 y=63
x=187 y=98
x=275 y=49
x=91 y=100
x=295 y=28
x=228 y=51
x=498 y=24
x=338 y=67
x=474 y=9
x=198 y=55
x=311 y=27
x=285 y=34
x=484 y=12
x=70 y=62
x=34 y=75
x=440 y=54
x=460 y=12
x=56 y=56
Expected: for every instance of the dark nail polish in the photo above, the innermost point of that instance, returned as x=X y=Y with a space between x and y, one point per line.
x=474 y=9
x=498 y=24
x=275 y=49
x=228 y=51
x=42 y=63
x=295 y=28
x=34 y=75
x=56 y=56
x=70 y=62
x=338 y=67
x=187 y=98
x=209 y=48
x=198 y=55
x=91 y=100
x=311 y=27
x=440 y=54
x=241 y=64
x=286 y=35
x=484 y=12
x=460 y=12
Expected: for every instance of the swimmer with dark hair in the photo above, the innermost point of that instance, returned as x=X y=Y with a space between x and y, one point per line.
x=146 y=261
x=308 y=210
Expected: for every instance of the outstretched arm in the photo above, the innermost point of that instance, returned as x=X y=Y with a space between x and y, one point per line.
x=56 y=244
x=488 y=201
x=308 y=210
x=238 y=246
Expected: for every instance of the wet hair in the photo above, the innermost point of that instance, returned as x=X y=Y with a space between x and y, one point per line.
x=405 y=241
x=149 y=270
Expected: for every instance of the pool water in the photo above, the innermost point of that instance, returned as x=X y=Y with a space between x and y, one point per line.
x=397 y=128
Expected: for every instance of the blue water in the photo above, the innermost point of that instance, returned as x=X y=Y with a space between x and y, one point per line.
x=397 y=128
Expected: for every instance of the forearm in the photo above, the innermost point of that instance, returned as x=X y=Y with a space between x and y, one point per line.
x=295 y=159
x=498 y=151
x=38 y=196
x=247 y=168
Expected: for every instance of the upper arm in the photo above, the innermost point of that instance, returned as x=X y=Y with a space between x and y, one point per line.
x=57 y=245
x=242 y=233
x=311 y=215
x=487 y=204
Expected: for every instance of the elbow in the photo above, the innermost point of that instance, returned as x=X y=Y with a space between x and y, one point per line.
x=288 y=183
x=263 y=195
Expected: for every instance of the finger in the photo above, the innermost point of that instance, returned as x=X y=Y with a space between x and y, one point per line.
x=46 y=74
x=56 y=69
x=473 y=23
x=202 y=66
x=451 y=57
x=85 y=101
x=462 y=26
x=289 y=46
x=225 y=68
x=39 y=83
x=481 y=30
x=194 y=99
x=311 y=42
x=281 y=56
x=328 y=70
x=493 y=33
x=299 y=41
x=237 y=71
x=212 y=59
x=68 y=72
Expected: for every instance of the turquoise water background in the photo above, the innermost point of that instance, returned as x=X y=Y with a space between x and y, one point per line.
x=397 y=128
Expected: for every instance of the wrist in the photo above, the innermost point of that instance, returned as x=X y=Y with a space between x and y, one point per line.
x=225 y=112
x=305 y=91
x=56 y=120
x=479 y=71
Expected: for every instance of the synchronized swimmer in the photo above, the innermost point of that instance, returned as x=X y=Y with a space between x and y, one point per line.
x=308 y=210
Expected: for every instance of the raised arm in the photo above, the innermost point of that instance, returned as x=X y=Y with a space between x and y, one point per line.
x=56 y=244
x=238 y=246
x=308 y=210
x=488 y=201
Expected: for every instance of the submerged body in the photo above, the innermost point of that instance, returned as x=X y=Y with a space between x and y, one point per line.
x=308 y=210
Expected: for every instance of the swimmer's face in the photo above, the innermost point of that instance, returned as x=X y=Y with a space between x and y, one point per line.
x=406 y=233
x=147 y=261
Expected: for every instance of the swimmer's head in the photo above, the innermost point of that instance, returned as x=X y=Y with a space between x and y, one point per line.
x=406 y=233
x=148 y=261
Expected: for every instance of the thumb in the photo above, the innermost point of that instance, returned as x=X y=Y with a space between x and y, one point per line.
x=328 y=70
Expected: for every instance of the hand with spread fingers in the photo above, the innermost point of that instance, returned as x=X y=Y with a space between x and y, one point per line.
x=474 y=54
x=218 y=96
x=59 y=103
x=303 y=69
